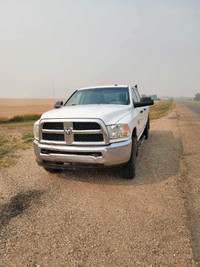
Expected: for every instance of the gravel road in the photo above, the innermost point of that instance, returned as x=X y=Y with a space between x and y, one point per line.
x=96 y=218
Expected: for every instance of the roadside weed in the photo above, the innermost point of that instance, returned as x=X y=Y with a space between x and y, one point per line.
x=9 y=144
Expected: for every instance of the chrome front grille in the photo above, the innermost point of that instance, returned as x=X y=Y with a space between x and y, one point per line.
x=73 y=132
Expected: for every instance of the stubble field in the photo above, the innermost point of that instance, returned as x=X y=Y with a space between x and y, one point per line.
x=12 y=107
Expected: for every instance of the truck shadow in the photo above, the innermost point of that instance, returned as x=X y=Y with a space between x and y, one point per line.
x=18 y=205
x=158 y=160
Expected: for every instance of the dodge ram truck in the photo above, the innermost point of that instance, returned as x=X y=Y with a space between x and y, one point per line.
x=96 y=127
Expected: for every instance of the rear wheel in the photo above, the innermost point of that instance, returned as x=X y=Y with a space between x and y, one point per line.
x=129 y=168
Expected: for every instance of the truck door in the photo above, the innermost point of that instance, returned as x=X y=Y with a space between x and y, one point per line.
x=138 y=113
x=144 y=111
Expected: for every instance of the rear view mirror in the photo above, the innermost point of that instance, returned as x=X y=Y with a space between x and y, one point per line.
x=145 y=101
x=58 y=104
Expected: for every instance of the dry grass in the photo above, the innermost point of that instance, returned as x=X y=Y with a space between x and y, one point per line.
x=9 y=144
x=160 y=109
x=20 y=118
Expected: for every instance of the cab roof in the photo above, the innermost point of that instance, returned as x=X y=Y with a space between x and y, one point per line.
x=104 y=86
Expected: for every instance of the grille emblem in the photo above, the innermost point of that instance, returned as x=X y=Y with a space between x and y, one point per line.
x=68 y=131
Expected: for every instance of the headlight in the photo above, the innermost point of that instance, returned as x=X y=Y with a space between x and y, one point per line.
x=36 y=130
x=118 y=131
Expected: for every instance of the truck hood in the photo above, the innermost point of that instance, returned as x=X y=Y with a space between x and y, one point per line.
x=110 y=114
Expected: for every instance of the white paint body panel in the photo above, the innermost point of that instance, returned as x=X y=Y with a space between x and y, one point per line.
x=109 y=114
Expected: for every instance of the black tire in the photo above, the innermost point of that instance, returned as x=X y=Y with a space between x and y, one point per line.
x=146 y=130
x=52 y=170
x=130 y=167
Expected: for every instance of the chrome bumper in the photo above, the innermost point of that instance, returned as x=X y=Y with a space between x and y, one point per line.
x=109 y=155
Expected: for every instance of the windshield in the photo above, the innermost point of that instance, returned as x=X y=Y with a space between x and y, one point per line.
x=114 y=96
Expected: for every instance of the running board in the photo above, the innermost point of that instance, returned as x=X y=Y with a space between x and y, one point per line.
x=140 y=142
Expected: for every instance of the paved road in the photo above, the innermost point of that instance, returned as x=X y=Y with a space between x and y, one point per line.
x=194 y=106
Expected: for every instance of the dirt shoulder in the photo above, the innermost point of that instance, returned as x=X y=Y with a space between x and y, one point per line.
x=96 y=218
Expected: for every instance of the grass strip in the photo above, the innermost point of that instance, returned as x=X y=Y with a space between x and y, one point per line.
x=161 y=109
x=9 y=144
x=20 y=118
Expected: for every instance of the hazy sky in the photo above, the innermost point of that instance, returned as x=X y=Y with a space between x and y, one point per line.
x=49 y=48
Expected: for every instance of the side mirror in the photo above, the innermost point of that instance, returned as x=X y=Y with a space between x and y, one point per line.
x=145 y=101
x=58 y=104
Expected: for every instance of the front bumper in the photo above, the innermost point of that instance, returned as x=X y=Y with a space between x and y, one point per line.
x=56 y=156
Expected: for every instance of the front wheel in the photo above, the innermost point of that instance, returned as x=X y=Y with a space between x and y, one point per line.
x=130 y=167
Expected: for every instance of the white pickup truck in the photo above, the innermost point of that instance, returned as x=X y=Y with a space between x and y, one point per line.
x=96 y=127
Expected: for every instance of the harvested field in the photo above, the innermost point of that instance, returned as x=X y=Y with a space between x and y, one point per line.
x=13 y=107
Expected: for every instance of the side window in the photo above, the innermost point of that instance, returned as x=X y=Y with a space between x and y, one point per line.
x=135 y=99
x=138 y=95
